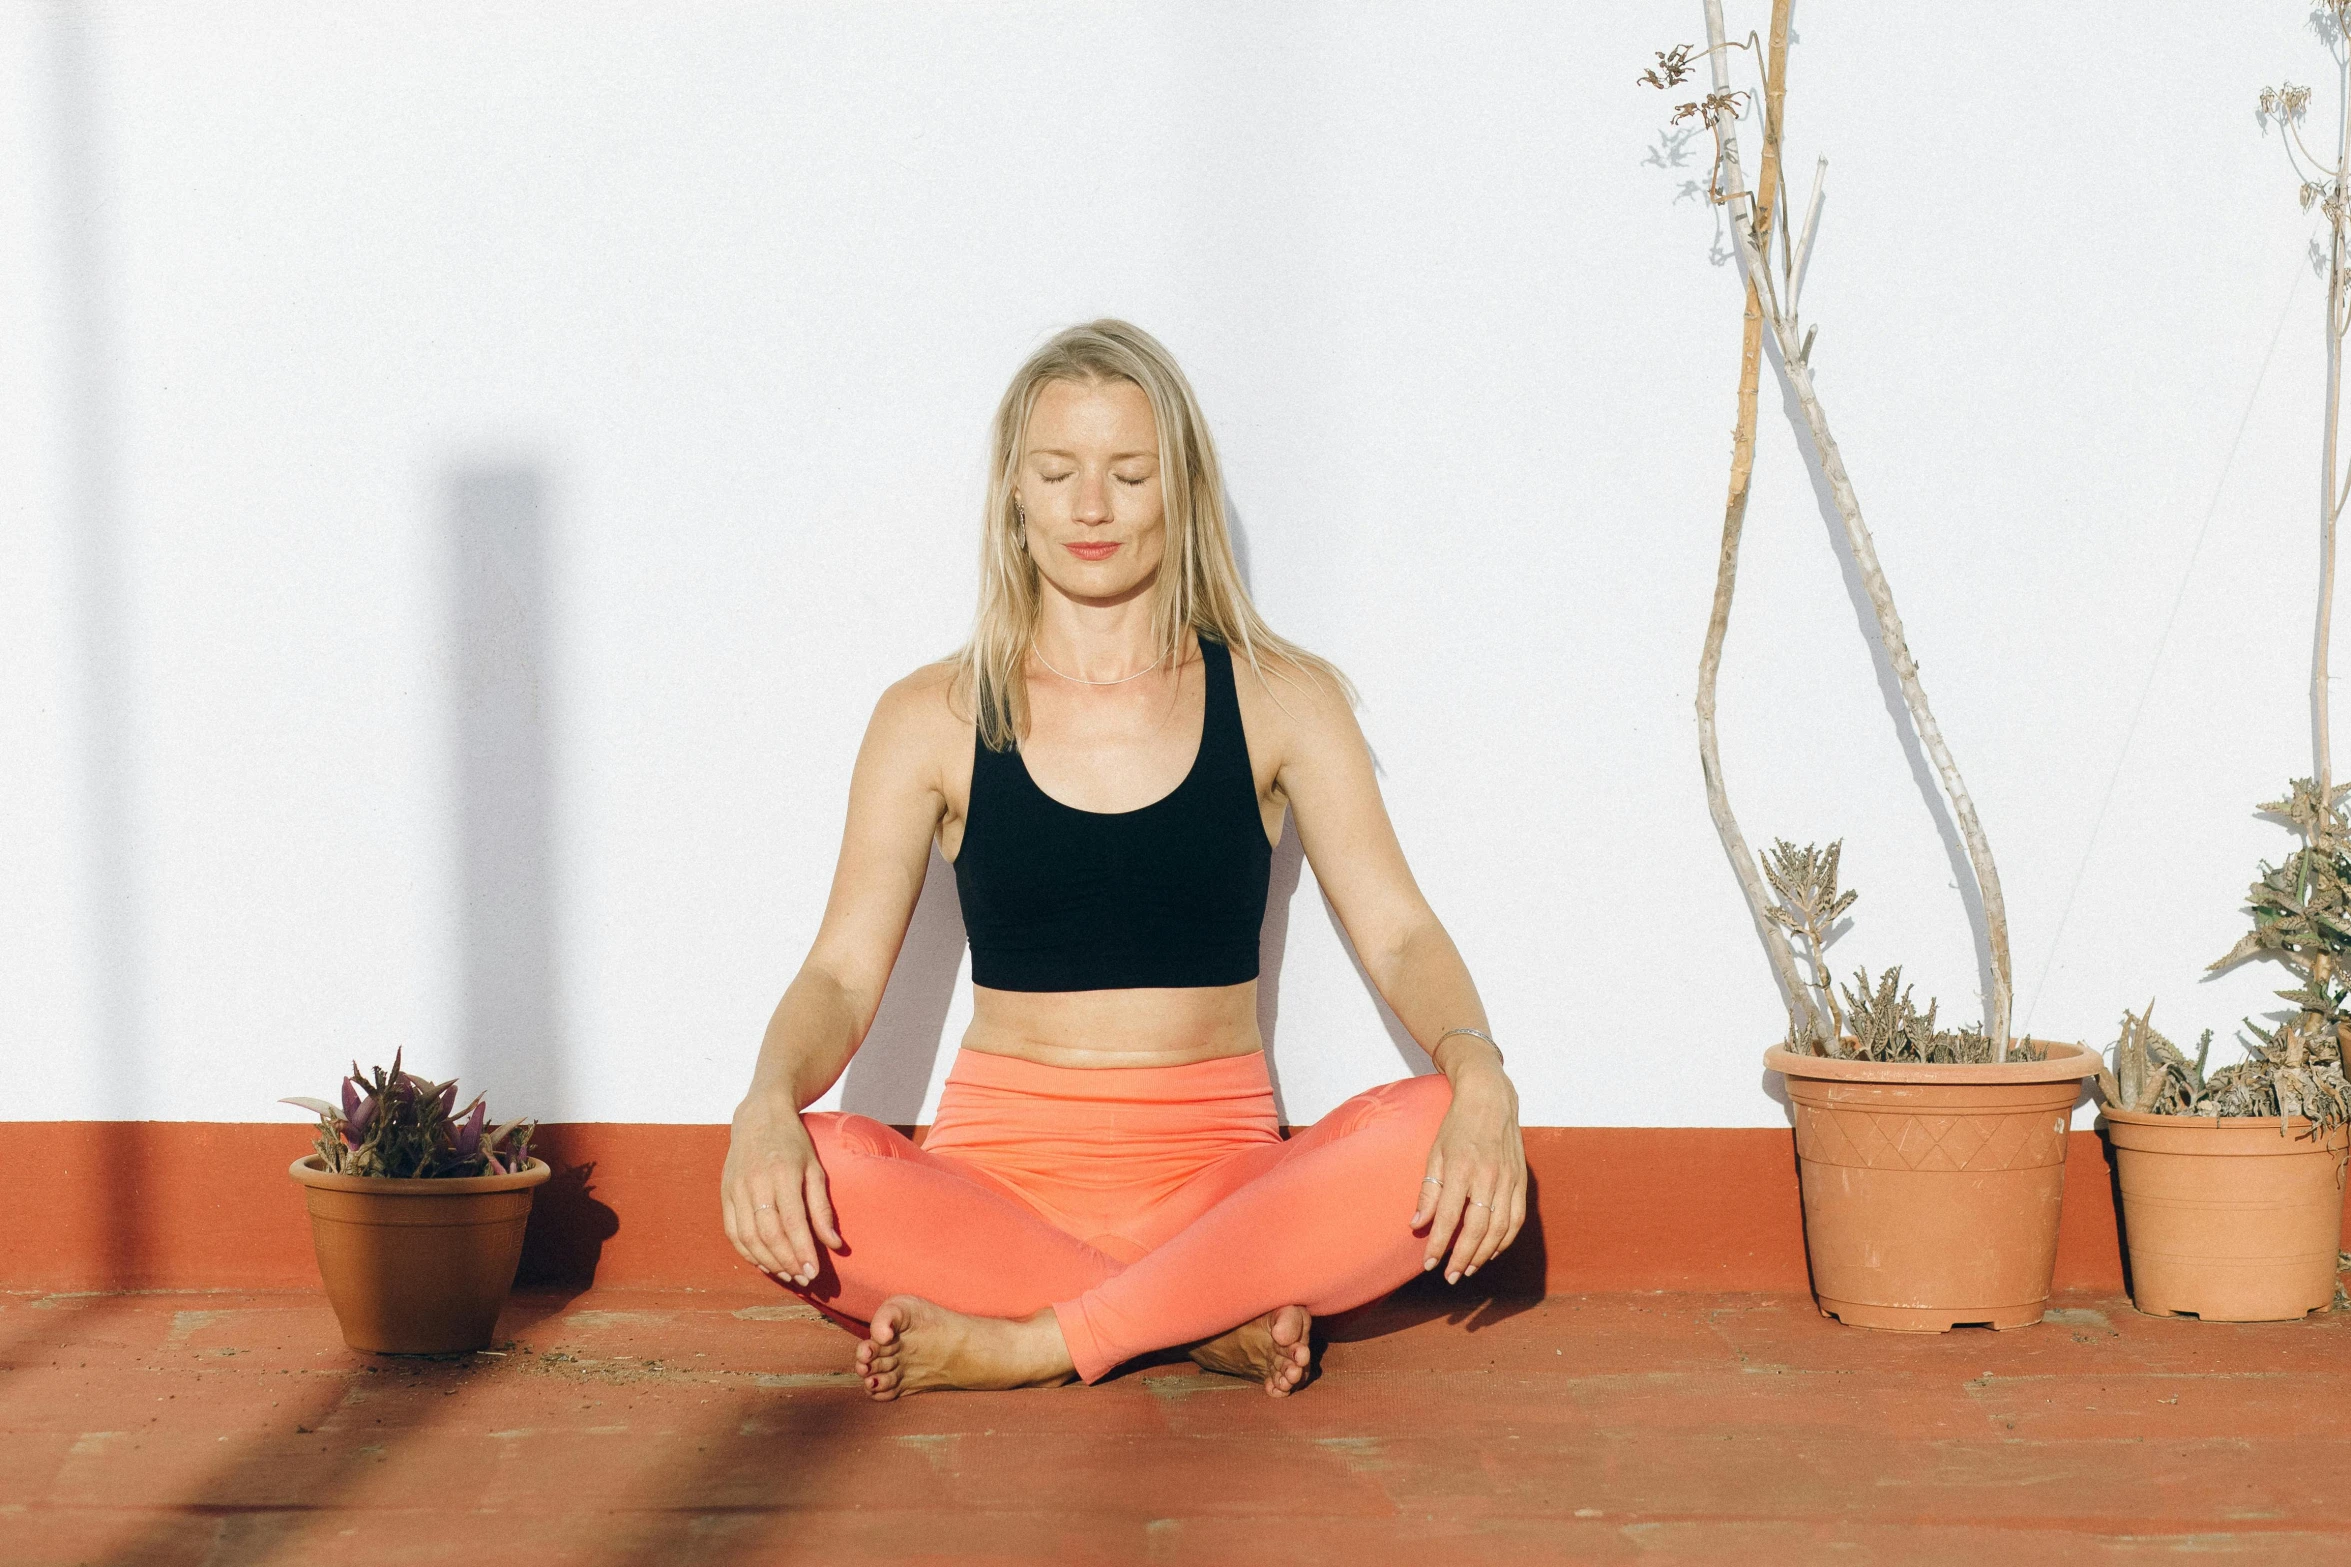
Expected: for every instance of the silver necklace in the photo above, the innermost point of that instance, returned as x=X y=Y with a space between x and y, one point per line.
x=1120 y=681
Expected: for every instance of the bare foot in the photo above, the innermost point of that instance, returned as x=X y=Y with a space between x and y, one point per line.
x=1272 y=1349
x=913 y=1346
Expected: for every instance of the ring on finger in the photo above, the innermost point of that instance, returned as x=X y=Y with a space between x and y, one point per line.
x=761 y=1207
x=1432 y=1180
x=1474 y=1203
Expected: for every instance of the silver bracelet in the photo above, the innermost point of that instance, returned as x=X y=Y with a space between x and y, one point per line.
x=1474 y=1033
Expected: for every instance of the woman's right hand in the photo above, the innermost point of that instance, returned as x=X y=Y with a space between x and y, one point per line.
x=772 y=1193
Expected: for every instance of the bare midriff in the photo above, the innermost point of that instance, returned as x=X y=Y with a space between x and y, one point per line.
x=1091 y=1028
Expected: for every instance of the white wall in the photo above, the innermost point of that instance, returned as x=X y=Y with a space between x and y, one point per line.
x=712 y=309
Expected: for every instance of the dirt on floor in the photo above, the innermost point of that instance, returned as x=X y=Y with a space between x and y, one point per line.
x=621 y=1427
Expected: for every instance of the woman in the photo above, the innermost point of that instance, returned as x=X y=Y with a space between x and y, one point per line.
x=1107 y=766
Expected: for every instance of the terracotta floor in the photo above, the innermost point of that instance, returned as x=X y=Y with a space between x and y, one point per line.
x=625 y=1427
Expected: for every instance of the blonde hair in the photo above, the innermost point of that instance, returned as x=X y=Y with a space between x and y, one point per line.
x=1199 y=586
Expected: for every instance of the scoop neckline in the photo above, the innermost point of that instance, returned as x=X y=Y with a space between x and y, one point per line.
x=1199 y=750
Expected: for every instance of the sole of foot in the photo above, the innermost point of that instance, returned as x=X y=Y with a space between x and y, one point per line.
x=1274 y=1349
x=917 y=1346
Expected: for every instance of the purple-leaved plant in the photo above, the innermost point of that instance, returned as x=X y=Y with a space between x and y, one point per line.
x=394 y=1123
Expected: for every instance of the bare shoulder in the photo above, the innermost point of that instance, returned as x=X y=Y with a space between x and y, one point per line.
x=921 y=716
x=1300 y=706
x=926 y=698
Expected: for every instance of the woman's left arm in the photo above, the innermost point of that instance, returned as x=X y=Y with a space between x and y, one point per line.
x=1474 y=1197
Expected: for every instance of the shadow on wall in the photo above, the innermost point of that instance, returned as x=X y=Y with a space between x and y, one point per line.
x=509 y=1034
x=1273 y=940
x=1922 y=771
x=891 y=1071
x=89 y=434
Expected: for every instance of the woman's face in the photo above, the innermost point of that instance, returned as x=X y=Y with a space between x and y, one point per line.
x=1089 y=484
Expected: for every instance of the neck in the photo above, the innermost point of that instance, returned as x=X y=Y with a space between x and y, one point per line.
x=1098 y=642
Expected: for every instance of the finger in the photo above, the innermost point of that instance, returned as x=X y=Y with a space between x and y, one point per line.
x=1441 y=1228
x=1465 y=1245
x=1518 y=1218
x=802 y=1244
x=820 y=1206
x=1432 y=1186
x=1497 y=1218
x=769 y=1209
x=726 y=1217
x=1497 y=1222
x=749 y=1241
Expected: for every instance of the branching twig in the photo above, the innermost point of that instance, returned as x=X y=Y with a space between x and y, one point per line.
x=1786 y=330
x=1808 y=1027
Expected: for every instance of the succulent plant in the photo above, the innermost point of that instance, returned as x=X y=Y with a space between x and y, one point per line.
x=393 y=1123
x=2301 y=919
x=1878 y=1022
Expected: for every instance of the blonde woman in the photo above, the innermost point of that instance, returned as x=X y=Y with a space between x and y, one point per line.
x=1107 y=766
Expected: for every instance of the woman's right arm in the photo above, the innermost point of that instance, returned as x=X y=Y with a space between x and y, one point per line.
x=772 y=1194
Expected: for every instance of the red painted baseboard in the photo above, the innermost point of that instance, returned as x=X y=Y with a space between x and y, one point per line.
x=115 y=1205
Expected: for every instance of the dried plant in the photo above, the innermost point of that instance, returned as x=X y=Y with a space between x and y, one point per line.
x=2149 y=1074
x=1805 y=882
x=2302 y=909
x=1773 y=293
x=2326 y=184
x=1879 y=1022
x=1888 y=1027
x=2302 y=919
x=394 y=1123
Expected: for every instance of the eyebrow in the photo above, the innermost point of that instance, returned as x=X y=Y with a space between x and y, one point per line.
x=1055 y=451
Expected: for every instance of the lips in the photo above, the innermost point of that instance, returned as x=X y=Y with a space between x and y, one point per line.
x=1092 y=551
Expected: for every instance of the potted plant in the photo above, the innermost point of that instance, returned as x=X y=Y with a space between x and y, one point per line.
x=1931 y=1160
x=2232 y=1186
x=417 y=1211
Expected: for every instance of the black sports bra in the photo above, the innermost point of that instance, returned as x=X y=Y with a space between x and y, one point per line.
x=1171 y=894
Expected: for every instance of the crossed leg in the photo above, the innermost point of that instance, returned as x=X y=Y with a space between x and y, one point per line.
x=965 y=1286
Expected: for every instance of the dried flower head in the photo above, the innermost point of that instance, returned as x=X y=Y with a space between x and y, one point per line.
x=1672 y=68
x=2284 y=103
x=1733 y=104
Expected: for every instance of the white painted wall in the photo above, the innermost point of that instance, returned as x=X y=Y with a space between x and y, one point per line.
x=732 y=293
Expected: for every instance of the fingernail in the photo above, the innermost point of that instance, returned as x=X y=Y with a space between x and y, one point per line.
x=1471 y=1269
x=1430 y=1263
x=1453 y=1278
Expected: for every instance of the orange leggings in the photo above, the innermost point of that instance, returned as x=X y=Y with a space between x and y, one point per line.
x=1148 y=1206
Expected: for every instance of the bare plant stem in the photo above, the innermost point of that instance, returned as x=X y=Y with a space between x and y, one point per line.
x=1809 y=1026
x=1818 y=940
x=2330 y=496
x=1785 y=330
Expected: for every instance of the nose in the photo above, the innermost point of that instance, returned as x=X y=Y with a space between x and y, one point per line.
x=1093 y=500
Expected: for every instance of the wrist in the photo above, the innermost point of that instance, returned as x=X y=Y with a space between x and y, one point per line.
x=1480 y=1073
x=1459 y=1050
x=766 y=1106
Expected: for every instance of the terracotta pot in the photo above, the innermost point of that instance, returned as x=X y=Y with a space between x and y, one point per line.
x=417 y=1267
x=1931 y=1193
x=2234 y=1219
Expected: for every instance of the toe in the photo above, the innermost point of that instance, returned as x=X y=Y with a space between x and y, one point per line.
x=885 y=1324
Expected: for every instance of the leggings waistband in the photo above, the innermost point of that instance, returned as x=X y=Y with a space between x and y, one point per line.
x=1194 y=1082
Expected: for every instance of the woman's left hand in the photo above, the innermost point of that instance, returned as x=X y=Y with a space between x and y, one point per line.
x=1477 y=1175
